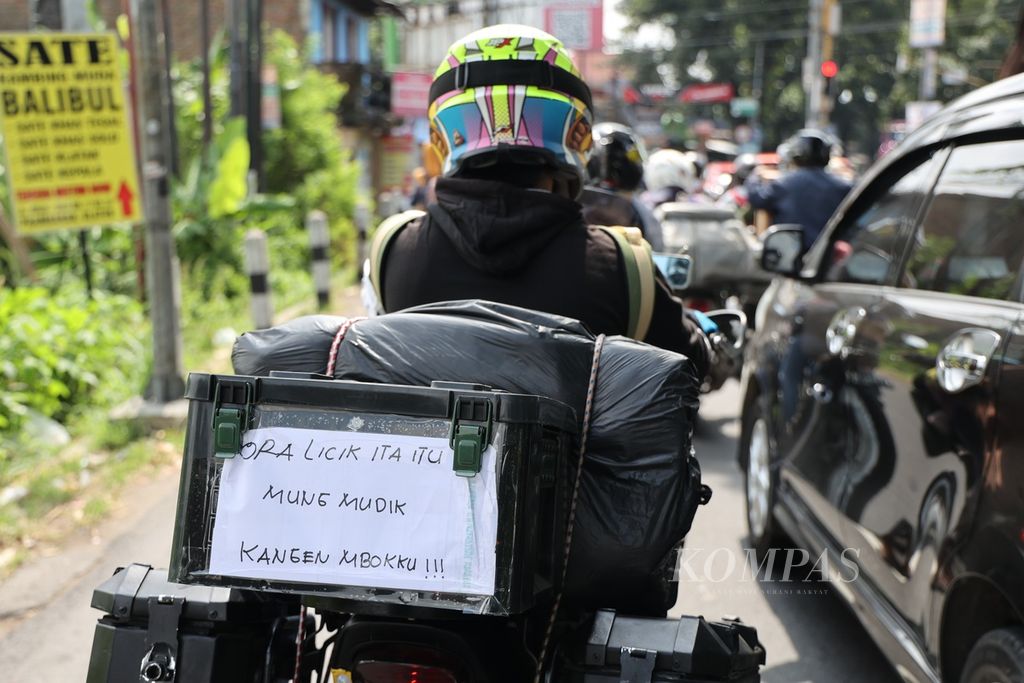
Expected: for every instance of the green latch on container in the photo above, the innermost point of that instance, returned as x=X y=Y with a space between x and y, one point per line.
x=230 y=422
x=469 y=449
x=470 y=434
x=227 y=432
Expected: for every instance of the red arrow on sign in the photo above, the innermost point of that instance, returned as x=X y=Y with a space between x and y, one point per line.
x=126 y=197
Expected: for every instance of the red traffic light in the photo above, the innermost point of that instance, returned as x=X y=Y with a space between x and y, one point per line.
x=829 y=69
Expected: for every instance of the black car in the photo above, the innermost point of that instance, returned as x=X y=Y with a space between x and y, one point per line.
x=883 y=395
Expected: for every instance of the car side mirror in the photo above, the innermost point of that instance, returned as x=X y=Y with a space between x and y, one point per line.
x=676 y=269
x=783 y=245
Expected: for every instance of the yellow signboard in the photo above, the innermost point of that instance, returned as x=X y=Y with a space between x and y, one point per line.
x=70 y=151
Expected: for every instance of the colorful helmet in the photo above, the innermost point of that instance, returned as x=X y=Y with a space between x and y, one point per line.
x=670 y=168
x=618 y=158
x=511 y=93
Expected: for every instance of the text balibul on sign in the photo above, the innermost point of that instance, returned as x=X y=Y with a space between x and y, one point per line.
x=70 y=150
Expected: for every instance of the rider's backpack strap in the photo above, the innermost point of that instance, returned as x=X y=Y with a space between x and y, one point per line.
x=640 y=277
x=388 y=228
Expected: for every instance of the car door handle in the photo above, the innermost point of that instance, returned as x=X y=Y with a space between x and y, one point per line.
x=842 y=330
x=964 y=359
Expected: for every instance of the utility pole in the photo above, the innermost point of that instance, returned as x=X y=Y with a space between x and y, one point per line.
x=757 y=86
x=204 y=39
x=823 y=21
x=166 y=38
x=929 y=73
x=830 y=19
x=813 y=80
x=928 y=32
x=166 y=382
x=238 y=21
x=46 y=13
x=254 y=84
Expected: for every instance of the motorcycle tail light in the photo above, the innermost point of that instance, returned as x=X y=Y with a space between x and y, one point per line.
x=401 y=672
x=699 y=303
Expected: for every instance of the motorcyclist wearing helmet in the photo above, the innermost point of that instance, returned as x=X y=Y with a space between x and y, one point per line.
x=806 y=196
x=670 y=176
x=510 y=118
x=616 y=169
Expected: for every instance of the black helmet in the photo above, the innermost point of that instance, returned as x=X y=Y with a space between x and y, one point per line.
x=810 y=147
x=617 y=159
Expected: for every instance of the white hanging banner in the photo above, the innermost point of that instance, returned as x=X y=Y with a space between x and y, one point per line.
x=927 y=23
x=355 y=509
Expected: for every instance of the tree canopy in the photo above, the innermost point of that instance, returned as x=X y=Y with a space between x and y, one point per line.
x=719 y=41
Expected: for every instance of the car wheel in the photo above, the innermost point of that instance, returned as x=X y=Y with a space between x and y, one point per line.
x=997 y=658
x=759 y=478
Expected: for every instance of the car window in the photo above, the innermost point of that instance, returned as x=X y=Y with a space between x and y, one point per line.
x=867 y=244
x=971 y=239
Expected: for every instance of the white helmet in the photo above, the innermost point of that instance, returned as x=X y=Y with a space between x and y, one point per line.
x=670 y=168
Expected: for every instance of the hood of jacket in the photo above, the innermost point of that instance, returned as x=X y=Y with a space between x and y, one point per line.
x=496 y=227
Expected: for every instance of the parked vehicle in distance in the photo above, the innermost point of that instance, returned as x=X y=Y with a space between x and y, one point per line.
x=883 y=391
x=726 y=255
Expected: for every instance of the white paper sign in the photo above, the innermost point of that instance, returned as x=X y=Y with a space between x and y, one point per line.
x=357 y=509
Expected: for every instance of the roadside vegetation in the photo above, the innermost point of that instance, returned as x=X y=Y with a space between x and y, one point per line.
x=68 y=355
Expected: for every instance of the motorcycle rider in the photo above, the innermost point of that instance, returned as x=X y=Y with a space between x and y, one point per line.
x=670 y=176
x=806 y=196
x=510 y=119
x=735 y=197
x=616 y=169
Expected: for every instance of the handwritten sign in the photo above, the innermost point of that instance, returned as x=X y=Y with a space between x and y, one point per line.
x=355 y=509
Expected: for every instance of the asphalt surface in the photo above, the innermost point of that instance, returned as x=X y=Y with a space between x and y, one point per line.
x=46 y=623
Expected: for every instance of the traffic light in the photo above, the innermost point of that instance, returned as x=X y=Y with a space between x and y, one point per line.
x=829 y=69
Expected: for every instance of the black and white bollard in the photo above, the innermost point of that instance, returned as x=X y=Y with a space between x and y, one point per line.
x=362 y=220
x=319 y=239
x=257 y=264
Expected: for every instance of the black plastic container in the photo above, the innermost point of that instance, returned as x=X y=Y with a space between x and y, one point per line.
x=627 y=649
x=156 y=630
x=522 y=445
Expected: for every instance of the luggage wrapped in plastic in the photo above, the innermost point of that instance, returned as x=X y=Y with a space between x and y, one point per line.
x=300 y=345
x=640 y=486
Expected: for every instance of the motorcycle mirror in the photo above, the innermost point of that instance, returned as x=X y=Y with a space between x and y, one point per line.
x=783 y=245
x=731 y=323
x=676 y=268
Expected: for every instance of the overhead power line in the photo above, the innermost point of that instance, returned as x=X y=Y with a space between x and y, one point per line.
x=849 y=29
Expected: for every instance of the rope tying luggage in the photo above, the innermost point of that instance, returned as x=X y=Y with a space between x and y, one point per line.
x=591 y=390
x=332 y=360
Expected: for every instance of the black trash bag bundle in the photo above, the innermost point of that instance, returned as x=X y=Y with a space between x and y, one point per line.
x=640 y=486
x=301 y=345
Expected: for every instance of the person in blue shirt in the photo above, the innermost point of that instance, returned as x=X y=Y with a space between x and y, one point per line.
x=806 y=196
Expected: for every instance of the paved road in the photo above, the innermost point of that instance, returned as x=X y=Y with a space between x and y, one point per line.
x=46 y=623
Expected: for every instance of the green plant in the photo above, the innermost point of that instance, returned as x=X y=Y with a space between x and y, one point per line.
x=305 y=168
x=60 y=351
x=305 y=156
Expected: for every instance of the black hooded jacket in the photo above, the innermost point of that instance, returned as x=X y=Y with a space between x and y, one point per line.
x=528 y=248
